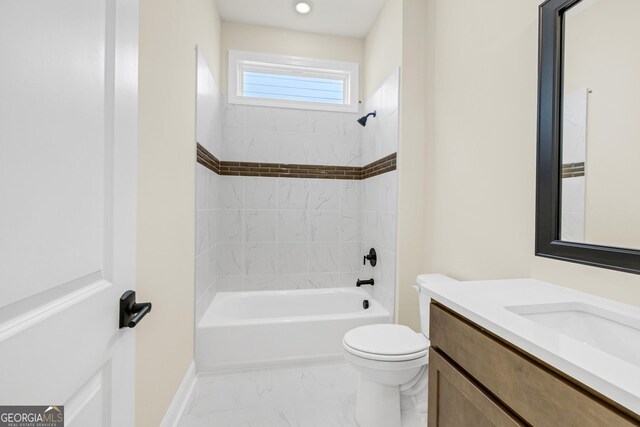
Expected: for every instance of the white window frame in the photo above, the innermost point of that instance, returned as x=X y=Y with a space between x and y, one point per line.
x=240 y=61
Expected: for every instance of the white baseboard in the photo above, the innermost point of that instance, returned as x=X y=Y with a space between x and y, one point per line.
x=180 y=399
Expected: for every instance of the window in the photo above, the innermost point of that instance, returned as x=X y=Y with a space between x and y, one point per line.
x=292 y=82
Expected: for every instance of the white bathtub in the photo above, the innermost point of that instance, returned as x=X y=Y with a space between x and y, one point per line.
x=245 y=329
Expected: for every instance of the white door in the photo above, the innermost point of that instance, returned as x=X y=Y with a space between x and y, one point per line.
x=68 y=132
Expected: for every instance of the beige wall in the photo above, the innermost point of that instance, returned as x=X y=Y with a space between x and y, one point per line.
x=412 y=176
x=383 y=46
x=600 y=32
x=278 y=41
x=479 y=186
x=169 y=32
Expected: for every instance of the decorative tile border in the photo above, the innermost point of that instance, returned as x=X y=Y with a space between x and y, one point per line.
x=572 y=170
x=208 y=160
x=280 y=170
x=385 y=164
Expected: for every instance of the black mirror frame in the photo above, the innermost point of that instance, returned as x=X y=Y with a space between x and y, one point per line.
x=548 y=191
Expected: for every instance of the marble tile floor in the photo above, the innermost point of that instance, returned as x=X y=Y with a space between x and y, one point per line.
x=306 y=395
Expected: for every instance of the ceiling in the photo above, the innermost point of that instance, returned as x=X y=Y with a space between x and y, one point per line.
x=351 y=18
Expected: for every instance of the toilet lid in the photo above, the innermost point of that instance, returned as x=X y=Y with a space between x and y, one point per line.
x=387 y=340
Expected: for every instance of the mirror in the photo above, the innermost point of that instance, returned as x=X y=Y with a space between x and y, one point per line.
x=588 y=209
x=601 y=123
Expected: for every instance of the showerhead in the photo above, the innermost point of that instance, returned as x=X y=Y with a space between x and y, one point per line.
x=363 y=120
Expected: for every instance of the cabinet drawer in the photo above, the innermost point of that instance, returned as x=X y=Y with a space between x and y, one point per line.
x=535 y=393
x=455 y=400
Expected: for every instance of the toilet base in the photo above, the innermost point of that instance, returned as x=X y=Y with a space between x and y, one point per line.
x=378 y=405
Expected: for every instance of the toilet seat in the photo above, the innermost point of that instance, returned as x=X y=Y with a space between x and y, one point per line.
x=387 y=342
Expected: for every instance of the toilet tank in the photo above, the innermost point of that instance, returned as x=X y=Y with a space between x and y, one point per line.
x=425 y=298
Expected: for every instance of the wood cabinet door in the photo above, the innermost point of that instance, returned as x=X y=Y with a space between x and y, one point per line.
x=456 y=401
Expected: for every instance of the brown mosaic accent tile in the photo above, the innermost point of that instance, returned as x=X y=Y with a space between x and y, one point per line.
x=208 y=160
x=572 y=170
x=281 y=170
x=385 y=164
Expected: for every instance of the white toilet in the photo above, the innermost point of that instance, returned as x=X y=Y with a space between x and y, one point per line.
x=392 y=362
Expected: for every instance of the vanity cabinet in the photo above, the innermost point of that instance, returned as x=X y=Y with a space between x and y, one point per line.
x=477 y=379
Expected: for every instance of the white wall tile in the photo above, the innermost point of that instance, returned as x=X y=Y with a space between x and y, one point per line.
x=202 y=187
x=202 y=277
x=328 y=123
x=230 y=259
x=572 y=227
x=378 y=228
x=290 y=120
x=213 y=190
x=209 y=134
x=370 y=235
x=293 y=281
x=230 y=225
x=387 y=231
x=232 y=283
x=212 y=264
x=350 y=226
x=293 y=258
x=351 y=256
x=347 y=280
x=202 y=231
x=260 y=193
x=324 y=226
x=260 y=225
x=233 y=116
x=388 y=186
x=233 y=146
x=261 y=146
x=294 y=193
x=293 y=226
x=344 y=151
x=379 y=193
x=212 y=219
x=573 y=191
x=262 y=118
x=294 y=148
x=325 y=194
x=260 y=283
x=230 y=195
x=350 y=195
x=371 y=194
x=318 y=148
x=260 y=258
x=350 y=124
x=325 y=280
x=324 y=257
x=387 y=135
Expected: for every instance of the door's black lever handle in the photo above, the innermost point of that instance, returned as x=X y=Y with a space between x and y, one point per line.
x=131 y=312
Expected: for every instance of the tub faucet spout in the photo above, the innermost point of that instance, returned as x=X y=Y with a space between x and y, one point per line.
x=364 y=282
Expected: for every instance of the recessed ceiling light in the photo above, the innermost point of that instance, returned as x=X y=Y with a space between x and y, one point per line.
x=302 y=6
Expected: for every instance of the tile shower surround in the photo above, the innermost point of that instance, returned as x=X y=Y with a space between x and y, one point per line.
x=282 y=233
x=264 y=230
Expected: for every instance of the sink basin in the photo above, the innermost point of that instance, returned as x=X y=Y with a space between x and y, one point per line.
x=608 y=331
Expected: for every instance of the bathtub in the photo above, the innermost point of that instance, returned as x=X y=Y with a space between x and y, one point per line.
x=252 y=329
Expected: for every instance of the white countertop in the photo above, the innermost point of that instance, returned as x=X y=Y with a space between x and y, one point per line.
x=484 y=302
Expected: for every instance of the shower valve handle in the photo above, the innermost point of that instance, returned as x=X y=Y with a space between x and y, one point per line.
x=372 y=258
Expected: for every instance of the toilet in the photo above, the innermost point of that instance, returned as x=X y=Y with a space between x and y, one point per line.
x=392 y=361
